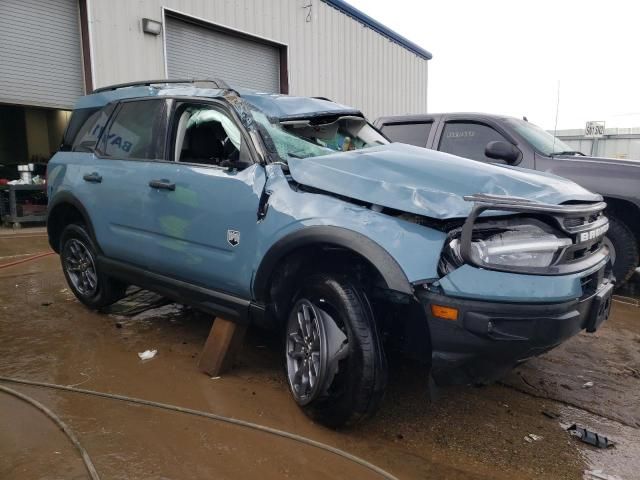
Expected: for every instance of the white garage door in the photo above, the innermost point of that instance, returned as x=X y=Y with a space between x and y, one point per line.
x=40 y=53
x=194 y=51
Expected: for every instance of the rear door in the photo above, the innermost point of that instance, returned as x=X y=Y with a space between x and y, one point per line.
x=112 y=183
x=410 y=132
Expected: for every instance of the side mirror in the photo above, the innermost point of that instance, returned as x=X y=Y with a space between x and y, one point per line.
x=501 y=150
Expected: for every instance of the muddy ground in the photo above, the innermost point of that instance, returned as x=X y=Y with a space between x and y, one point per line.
x=458 y=433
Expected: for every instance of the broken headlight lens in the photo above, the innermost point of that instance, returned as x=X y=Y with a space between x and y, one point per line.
x=521 y=247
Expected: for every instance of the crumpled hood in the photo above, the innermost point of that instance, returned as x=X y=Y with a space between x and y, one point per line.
x=427 y=182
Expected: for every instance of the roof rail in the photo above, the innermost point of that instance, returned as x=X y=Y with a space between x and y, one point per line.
x=145 y=83
x=324 y=98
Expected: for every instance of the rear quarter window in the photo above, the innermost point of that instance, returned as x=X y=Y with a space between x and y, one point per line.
x=93 y=123
x=411 y=133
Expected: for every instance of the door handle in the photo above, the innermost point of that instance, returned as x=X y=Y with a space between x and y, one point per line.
x=93 y=177
x=162 y=184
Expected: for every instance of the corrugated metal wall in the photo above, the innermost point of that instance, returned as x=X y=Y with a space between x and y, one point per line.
x=331 y=55
x=40 y=57
x=198 y=52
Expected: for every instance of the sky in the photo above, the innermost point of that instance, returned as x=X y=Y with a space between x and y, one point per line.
x=512 y=57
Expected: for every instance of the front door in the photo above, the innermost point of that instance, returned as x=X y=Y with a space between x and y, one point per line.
x=203 y=201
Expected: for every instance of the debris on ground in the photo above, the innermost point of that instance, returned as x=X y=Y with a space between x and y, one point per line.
x=599 y=475
x=587 y=385
x=147 y=354
x=589 y=437
x=532 y=437
x=551 y=415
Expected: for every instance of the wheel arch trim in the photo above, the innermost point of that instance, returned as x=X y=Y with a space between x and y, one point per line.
x=67 y=198
x=376 y=255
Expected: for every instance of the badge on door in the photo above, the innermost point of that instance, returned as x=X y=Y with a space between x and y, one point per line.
x=233 y=237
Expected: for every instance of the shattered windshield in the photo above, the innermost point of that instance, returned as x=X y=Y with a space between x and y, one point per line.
x=313 y=137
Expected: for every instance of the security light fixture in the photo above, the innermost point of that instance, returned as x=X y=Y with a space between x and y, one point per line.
x=151 y=26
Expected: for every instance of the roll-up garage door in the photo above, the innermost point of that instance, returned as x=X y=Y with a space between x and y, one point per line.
x=40 y=53
x=194 y=51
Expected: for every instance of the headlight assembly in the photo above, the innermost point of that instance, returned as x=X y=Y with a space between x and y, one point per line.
x=519 y=247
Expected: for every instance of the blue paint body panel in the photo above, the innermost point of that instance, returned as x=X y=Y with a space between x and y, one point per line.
x=488 y=285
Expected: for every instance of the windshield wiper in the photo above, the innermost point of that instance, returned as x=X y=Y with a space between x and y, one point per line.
x=567 y=152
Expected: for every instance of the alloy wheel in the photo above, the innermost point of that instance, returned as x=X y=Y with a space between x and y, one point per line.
x=306 y=346
x=80 y=267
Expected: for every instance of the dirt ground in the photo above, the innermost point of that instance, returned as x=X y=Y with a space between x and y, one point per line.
x=455 y=433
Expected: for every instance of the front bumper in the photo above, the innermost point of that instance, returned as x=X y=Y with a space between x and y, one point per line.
x=489 y=338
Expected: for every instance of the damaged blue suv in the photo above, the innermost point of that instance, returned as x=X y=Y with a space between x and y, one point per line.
x=296 y=214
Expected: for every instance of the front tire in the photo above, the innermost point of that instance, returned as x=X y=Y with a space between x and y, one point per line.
x=78 y=255
x=336 y=367
x=623 y=247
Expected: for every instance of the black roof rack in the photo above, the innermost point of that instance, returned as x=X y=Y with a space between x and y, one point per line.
x=145 y=83
x=324 y=98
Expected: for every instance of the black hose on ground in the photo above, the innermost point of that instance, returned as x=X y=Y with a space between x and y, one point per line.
x=63 y=426
x=234 y=421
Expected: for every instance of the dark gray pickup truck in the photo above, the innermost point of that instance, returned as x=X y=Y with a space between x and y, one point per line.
x=516 y=142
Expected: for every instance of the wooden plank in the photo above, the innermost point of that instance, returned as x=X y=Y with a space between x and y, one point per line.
x=223 y=343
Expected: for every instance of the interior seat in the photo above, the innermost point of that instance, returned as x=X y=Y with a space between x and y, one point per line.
x=204 y=145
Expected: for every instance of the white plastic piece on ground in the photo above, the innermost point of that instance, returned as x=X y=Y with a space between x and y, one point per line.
x=147 y=354
x=599 y=475
x=587 y=385
x=532 y=437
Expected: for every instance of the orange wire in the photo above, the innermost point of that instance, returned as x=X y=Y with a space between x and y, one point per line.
x=34 y=257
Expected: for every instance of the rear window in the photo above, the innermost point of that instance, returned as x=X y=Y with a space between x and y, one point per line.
x=411 y=133
x=78 y=119
x=93 y=122
x=134 y=133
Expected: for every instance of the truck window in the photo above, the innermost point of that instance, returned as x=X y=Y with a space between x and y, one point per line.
x=411 y=133
x=468 y=140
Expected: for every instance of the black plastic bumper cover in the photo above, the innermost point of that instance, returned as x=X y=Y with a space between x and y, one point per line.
x=490 y=338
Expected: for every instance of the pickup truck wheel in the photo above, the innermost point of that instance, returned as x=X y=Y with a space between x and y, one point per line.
x=78 y=258
x=623 y=249
x=335 y=364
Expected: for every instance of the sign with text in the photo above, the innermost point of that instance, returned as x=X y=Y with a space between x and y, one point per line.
x=594 y=129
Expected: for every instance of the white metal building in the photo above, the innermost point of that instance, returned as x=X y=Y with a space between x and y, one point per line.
x=615 y=143
x=53 y=51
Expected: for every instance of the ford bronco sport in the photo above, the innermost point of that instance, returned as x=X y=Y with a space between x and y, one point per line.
x=295 y=213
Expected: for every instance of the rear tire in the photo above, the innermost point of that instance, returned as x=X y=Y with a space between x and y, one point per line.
x=350 y=388
x=623 y=247
x=78 y=255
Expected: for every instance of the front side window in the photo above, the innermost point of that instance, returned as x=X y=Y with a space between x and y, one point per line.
x=136 y=131
x=410 y=133
x=468 y=140
x=303 y=138
x=541 y=140
x=206 y=135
